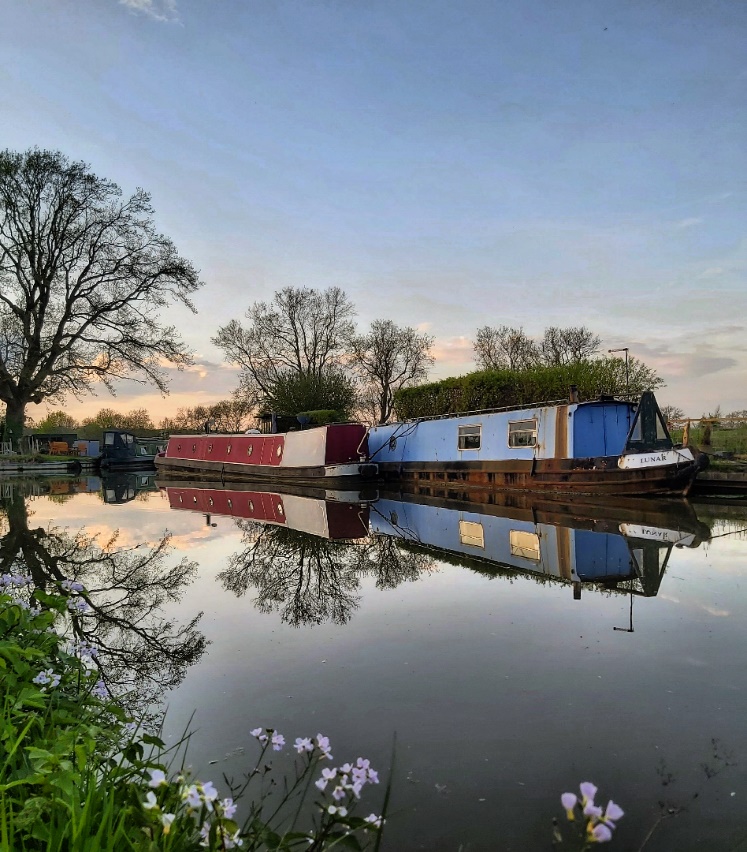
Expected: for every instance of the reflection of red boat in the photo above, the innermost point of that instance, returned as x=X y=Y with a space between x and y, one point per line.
x=324 y=456
x=325 y=516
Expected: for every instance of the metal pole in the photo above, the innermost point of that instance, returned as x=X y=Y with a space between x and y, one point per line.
x=627 y=371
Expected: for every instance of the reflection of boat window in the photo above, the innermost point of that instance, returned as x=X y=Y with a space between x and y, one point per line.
x=525 y=544
x=469 y=437
x=522 y=433
x=110 y=496
x=471 y=534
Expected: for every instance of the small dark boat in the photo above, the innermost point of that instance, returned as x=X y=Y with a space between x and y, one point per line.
x=123 y=450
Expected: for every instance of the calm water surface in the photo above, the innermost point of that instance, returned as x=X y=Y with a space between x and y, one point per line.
x=514 y=651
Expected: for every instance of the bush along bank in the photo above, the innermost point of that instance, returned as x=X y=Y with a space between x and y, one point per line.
x=77 y=773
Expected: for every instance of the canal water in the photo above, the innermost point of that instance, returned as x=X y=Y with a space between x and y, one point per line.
x=503 y=653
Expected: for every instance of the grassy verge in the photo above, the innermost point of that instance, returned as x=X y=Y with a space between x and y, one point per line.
x=77 y=774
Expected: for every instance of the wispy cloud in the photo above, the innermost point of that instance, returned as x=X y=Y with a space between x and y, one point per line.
x=688 y=223
x=158 y=10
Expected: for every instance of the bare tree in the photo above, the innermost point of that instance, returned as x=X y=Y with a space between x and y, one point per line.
x=568 y=345
x=386 y=359
x=82 y=276
x=504 y=348
x=228 y=415
x=301 y=332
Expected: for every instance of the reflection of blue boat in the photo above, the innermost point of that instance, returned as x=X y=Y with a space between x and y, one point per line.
x=123 y=450
x=629 y=554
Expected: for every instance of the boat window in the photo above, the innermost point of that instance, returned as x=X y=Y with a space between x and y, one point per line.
x=471 y=534
x=129 y=439
x=661 y=429
x=109 y=439
x=525 y=544
x=522 y=433
x=469 y=437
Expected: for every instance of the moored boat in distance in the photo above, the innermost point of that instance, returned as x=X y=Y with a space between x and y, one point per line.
x=122 y=450
x=604 y=446
x=327 y=456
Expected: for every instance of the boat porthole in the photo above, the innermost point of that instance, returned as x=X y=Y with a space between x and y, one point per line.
x=194 y=499
x=228 y=451
x=211 y=502
x=178 y=447
x=249 y=450
x=210 y=448
x=194 y=448
x=279 y=450
x=181 y=499
x=251 y=506
x=230 y=504
x=280 y=508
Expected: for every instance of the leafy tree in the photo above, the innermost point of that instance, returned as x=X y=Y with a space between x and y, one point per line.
x=57 y=421
x=568 y=345
x=496 y=388
x=295 y=392
x=301 y=332
x=504 y=348
x=82 y=274
x=386 y=359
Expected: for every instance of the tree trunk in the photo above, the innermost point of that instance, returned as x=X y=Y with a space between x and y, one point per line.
x=15 y=415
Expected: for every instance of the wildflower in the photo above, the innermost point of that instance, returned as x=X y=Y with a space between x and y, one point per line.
x=338 y=793
x=166 y=820
x=588 y=791
x=47 y=678
x=150 y=801
x=362 y=763
x=78 y=605
x=612 y=812
x=340 y=810
x=593 y=811
x=374 y=820
x=600 y=834
x=228 y=807
x=209 y=793
x=568 y=800
x=346 y=768
x=373 y=776
x=157 y=778
x=100 y=690
x=323 y=745
x=278 y=741
x=259 y=733
x=191 y=796
x=303 y=744
x=71 y=586
x=321 y=784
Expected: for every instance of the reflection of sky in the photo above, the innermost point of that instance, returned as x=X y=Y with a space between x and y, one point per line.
x=502 y=693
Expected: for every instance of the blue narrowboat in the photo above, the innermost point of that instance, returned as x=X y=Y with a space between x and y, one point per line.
x=604 y=446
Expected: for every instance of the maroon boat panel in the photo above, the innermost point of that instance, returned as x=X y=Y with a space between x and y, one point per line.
x=346 y=442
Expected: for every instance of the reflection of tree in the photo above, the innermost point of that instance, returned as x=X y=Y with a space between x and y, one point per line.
x=141 y=652
x=310 y=580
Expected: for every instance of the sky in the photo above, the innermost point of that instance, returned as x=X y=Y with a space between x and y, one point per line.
x=448 y=164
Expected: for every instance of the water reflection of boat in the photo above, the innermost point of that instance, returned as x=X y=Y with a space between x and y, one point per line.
x=123 y=486
x=319 y=512
x=622 y=546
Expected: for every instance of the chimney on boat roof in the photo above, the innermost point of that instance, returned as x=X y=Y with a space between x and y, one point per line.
x=573 y=396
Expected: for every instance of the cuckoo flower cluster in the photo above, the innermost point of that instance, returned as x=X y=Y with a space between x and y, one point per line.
x=600 y=822
x=197 y=803
x=345 y=782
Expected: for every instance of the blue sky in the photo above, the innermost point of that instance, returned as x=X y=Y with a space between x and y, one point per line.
x=449 y=165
